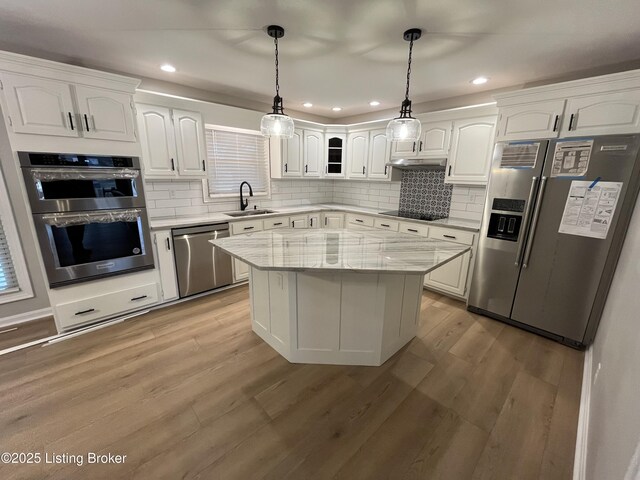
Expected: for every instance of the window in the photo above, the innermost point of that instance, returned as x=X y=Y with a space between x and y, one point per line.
x=14 y=280
x=234 y=156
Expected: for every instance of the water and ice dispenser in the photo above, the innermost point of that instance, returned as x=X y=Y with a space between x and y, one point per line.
x=503 y=225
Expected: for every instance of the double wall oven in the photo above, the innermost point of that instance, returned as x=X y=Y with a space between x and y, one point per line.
x=89 y=214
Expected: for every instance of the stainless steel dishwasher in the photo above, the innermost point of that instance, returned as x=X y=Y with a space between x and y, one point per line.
x=201 y=266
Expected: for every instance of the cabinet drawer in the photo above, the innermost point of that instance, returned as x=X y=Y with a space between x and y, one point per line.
x=279 y=222
x=414 y=229
x=451 y=235
x=104 y=306
x=246 y=227
x=360 y=220
x=384 y=224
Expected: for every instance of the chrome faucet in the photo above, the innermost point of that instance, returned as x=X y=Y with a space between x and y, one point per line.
x=245 y=203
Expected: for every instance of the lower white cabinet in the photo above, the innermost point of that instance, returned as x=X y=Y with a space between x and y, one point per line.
x=277 y=222
x=384 y=224
x=241 y=269
x=314 y=220
x=165 y=262
x=333 y=220
x=450 y=277
x=354 y=220
x=299 y=221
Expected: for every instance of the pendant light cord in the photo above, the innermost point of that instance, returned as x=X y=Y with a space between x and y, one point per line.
x=275 y=40
x=406 y=95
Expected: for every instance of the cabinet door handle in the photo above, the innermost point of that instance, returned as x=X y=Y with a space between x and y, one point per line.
x=168 y=244
x=71 y=121
x=277 y=223
x=449 y=170
x=385 y=169
x=384 y=225
x=359 y=221
x=312 y=222
x=555 y=124
x=86 y=311
x=573 y=116
x=173 y=165
x=325 y=221
x=248 y=228
x=413 y=149
x=306 y=169
x=412 y=230
x=138 y=298
x=86 y=121
x=449 y=236
x=363 y=170
x=203 y=167
x=285 y=167
x=293 y=223
x=420 y=148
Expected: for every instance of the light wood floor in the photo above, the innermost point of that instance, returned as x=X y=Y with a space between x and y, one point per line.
x=27 y=332
x=190 y=391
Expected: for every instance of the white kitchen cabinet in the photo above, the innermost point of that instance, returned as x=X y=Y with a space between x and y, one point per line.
x=172 y=142
x=386 y=224
x=335 y=155
x=314 y=220
x=292 y=155
x=313 y=146
x=333 y=220
x=472 y=143
x=241 y=269
x=435 y=138
x=378 y=154
x=450 y=277
x=166 y=264
x=42 y=106
x=39 y=106
x=105 y=114
x=157 y=141
x=354 y=220
x=357 y=151
x=189 y=132
x=602 y=114
x=275 y=222
x=299 y=221
x=532 y=120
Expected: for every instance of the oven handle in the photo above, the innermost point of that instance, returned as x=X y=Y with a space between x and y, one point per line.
x=52 y=174
x=62 y=220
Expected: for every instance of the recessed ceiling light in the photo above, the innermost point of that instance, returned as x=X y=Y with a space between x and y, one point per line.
x=374 y=103
x=336 y=109
x=479 y=80
x=307 y=104
x=168 y=68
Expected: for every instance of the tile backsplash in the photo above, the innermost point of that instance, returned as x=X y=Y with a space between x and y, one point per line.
x=467 y=201
x=379 y=195
x=424 y=192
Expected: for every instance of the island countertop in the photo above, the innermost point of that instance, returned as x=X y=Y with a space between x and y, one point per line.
x=340 y=250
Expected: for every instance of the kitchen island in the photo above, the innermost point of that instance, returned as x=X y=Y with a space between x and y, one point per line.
x=348 y=297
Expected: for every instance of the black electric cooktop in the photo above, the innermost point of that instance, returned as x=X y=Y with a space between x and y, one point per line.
x=414 y=215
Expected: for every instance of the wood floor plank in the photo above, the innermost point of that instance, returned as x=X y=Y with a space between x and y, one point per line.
x=545 y=360
x=446 y=379
x=442 y=337
x=516 y=444
x=477 y=340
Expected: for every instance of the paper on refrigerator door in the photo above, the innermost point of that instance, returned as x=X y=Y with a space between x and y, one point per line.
x=571 y=158
x=589 y=211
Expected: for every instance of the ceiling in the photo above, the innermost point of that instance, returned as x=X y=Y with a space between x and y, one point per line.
x=335 y=52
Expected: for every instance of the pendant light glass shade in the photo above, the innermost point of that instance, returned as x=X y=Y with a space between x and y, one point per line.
x=405 y=127
x=277 y=123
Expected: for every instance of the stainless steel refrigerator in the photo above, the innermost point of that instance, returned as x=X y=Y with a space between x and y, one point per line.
x=555 y=219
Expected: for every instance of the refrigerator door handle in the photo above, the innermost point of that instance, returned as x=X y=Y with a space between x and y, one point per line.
x=525 y=220
x=534 y=223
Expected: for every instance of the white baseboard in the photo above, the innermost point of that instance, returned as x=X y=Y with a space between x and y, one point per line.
x=580 y=460
x=26 y=317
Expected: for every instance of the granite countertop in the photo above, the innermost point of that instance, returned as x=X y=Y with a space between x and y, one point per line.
x=339 y=250
x=163 y=223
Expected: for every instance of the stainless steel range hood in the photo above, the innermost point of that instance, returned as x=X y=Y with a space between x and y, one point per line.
x=417 y=163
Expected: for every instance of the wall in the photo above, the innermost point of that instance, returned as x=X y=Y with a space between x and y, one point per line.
x=613 y=442
x=467 y=201
x=378 y=195
x=11 y=173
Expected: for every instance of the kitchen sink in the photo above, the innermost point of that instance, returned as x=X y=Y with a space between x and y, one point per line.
x=248 y=213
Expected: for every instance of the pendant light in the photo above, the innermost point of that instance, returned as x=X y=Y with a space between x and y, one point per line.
x=405 y=127
x=276 y=123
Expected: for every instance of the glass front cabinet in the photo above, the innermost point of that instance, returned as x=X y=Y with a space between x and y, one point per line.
x=335 y=156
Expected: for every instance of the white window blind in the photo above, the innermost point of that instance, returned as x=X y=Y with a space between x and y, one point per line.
x=8 y=277
x=235 y=157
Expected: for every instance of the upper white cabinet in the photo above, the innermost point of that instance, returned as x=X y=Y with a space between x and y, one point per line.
x=434 y=142
x=536 y=120
x=292 y=155
x=378 y=155
x=605 y=105
x=105 y=114
x=335 y=155
x=601 y=114
x=39 y=106
x=313 y=146
x=189 y=132
x=42 y=106
x=469 y=160
x=357 y=150
x=172 y=142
